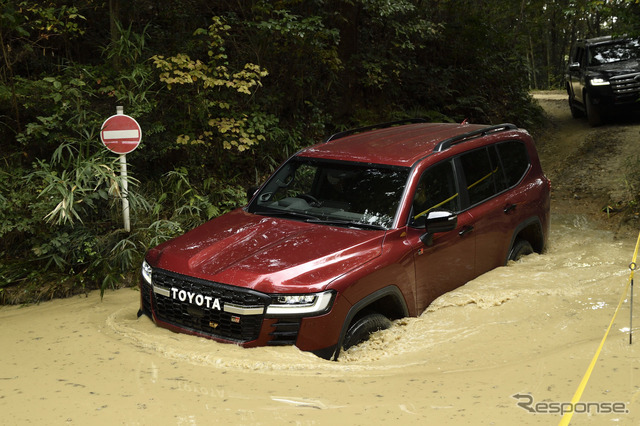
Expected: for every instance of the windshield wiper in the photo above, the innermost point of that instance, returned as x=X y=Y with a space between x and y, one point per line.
x=353 y=224
x=305 y=216
x=309 y=218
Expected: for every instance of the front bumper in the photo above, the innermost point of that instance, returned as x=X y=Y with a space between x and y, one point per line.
x=232 y=314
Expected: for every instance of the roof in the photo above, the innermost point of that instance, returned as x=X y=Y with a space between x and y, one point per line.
x=398 y=146
x=604 y=40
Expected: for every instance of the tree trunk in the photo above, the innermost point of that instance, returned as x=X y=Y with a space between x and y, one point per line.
x=114 y=19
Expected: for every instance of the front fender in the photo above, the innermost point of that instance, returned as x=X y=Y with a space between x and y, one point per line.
x=389 y=291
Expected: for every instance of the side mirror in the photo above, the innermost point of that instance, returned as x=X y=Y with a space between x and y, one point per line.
x=438 y=221
x=574 y=66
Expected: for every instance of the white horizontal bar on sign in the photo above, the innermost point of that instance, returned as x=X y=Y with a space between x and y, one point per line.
x=121 y=134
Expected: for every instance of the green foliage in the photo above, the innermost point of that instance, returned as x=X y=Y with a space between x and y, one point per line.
x=221 y=116
x=46 y=18
x=393 y=33
x=224 y=92
x=16 y=206
x=130 y=82
x=187 y=205
x=82 y=185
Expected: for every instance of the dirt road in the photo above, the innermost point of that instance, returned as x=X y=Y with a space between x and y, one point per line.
x=510 y=347
x=591 y=169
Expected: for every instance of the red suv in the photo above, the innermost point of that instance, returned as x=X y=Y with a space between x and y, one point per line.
x=369 y=226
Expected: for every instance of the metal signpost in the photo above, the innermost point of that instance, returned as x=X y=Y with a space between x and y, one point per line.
x=122 y=134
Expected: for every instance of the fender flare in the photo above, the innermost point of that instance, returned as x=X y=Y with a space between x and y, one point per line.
x=390 y=290
x=535 y=220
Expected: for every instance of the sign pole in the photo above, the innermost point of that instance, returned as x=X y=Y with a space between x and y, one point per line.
x=125 y=192
x=125 y=183
x=121 y=134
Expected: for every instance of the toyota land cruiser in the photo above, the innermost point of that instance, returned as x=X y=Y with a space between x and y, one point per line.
x=603 y=73
x=347 y=235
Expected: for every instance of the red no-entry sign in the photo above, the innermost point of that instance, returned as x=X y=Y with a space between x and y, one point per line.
x=121 y=134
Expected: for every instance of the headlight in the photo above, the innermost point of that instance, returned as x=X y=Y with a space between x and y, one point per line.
x=146 y=271
x=300 y=304
x=598 y=81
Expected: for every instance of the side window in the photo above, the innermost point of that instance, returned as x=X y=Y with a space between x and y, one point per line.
x=479 y=174
x=515 y=160
x=573 y=57
x=498 y=170
x=436 y=190
x=581 y=57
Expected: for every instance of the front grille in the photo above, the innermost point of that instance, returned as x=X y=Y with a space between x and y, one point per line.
x=626 y=84
x=239 y=318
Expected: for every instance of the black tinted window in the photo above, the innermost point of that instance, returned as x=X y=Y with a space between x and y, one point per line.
x=498 y=171
x=436 y=191
x=479 y=174
x=514 y=160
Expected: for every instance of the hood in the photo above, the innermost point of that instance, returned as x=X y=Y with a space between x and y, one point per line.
x=617 y=68
x=267 y=254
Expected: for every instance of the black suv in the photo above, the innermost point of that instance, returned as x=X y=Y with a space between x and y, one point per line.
x=603 y=73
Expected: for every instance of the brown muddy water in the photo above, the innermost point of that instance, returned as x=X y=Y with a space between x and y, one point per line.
x=530 y=328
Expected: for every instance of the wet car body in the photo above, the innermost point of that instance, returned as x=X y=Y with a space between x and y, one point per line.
x=293 y=269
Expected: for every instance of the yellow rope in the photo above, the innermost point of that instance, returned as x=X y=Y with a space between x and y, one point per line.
x=576 y=397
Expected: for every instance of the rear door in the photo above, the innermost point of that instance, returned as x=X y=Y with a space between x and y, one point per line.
x=491 y=176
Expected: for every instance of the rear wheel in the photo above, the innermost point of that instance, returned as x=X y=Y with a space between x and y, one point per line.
x=361 y=329
x=520 y=248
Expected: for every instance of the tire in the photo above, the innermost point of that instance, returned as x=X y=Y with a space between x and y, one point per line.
x=575 y=111
x=594 y=114
x=520 y=248
x=361 y=329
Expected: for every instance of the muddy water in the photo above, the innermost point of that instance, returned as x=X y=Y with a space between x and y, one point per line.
x=530 y=328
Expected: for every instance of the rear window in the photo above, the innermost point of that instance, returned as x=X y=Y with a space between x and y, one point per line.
x=491 y=170
x=515 y=161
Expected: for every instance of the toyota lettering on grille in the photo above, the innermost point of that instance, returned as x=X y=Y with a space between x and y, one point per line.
x=195 y=298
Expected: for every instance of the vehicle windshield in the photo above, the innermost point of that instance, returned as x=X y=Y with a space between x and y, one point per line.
x=337 y=193
x=623 y=50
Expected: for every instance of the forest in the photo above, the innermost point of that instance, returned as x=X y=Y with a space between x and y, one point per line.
x=224 y=91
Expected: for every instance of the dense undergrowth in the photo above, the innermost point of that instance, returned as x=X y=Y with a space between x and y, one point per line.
x=222 y=100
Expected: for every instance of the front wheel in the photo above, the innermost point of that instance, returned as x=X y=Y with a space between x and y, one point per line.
x=594 y=113
x=362 y=328
x=520 y=248
x=575 y=111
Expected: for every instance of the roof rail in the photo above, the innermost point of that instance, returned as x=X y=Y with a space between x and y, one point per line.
x=448 y=143
x=375 y=126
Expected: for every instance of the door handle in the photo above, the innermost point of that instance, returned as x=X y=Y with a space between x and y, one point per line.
x=465 y=230
x=509 y=207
